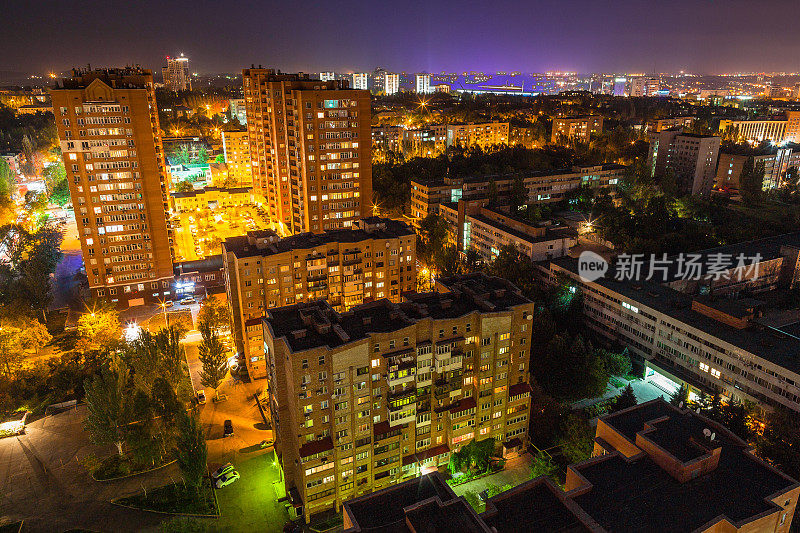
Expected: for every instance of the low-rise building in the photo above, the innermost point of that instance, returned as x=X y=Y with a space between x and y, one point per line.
x=657 y=468
x=774 y=129
x=472 y=224
x=236 y=147
x=484 y=134
x=200 y=277
x=661 y=124
x=543 y=187
x=211 y=198
x=579 y=128
x=741 y=347
x=364 y=399
x=776 y=161
x=346 y=267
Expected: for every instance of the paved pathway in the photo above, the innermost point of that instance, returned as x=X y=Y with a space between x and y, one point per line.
x=517 y=471
x=644 y=391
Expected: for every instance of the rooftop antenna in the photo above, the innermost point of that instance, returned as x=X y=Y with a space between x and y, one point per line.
x=713 y=436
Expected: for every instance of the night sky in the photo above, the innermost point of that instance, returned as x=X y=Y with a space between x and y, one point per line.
x=531 y=36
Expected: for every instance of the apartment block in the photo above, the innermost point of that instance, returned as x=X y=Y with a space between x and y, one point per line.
x=327 y=76
x=543 y=187
x=391 y=83
x=236 y=148
x=238 y=110
x=176 y=74
x=374 y=259
x=776 y=162
x=423 y=83
x=740 y=347
x=484 y=134
x=661 y=124
x=361 y=80
x=580 y=127
x=429 y=138
x=777 y=130
x=211 y=198
x=388 y=138
x=473 y=224
x=657 y=468
x=692 y=158
x=310 y=147
x=384 y=392
x=110 y=140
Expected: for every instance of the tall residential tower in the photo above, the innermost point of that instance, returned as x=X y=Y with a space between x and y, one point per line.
x=310 y=142
x=176 y=74
x=111 y=144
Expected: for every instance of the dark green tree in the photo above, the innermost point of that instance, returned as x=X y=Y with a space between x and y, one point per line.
x=626 y=399
x=191 y=451
x=212 y=357
x=106 y=404
x=680 y=398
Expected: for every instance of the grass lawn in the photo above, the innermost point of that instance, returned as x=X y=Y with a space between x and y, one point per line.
x=175 y=498
x=120 y=466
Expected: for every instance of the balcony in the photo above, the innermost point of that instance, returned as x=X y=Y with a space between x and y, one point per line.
x=401 y=375
x=405 y=416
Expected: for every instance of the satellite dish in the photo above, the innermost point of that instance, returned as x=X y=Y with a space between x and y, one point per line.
x=698 y=411
x=713 y=436
x=707 y=432
x=680 y=405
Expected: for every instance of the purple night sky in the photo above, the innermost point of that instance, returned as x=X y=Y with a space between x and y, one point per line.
x=528 y=35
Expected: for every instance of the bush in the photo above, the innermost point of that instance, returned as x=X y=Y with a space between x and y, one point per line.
x=175 y=498
x=616 y=364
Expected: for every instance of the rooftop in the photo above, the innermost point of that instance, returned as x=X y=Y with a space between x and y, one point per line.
x=772 y=344
x=315 y=324
x=433 y=181
x=266 y=242
x=638 y=495
x=204 y=190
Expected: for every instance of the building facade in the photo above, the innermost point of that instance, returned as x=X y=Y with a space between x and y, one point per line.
x=211 y=198
x=543 y=187
x=776 y=163
x=236 y=147
x=237 y=109
x=176 y=74
x=391 y=83
x=579 y=128
x=690 y=157
x=310 y=146
x=327 y=76
x=484 y=134
x=375 y=259
x=361 y=81
x=422 y=83
x=777 y=130
x=384 y=392
x=110 y=140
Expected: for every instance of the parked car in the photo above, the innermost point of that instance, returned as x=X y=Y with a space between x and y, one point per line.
x=221 y=471
x=169 y=303
x=227 y=429
x=188 y=300
x=227 y=479
x=201 y=396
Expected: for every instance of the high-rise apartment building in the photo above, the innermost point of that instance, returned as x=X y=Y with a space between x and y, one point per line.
x=327 y=76
x=423 y=83
x=176 y=74
x=376 y=259
x=691 y=157
x=110 y=139
x=310 y=146
x=391 y=83
x=236 y=147
x=364 y=399
x=238 y=110
x=361 y=80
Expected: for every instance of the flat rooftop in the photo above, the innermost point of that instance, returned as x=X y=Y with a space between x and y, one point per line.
x=442 y=180
x=378 y=228
x=771 y=344
x=315 y=324
x=639 y=496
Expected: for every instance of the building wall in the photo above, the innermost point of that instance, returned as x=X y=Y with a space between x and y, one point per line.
x=579 y=128
x=483 y=135
x=366 y=453
x=311 y=149
x=236 y=146
x=345 y=274
x=112 y=153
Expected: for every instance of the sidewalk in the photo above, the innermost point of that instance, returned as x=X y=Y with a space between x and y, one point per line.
x=644 y=393
x=517 y=471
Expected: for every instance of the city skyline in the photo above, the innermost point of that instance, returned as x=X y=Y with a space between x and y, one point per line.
x=535 y=37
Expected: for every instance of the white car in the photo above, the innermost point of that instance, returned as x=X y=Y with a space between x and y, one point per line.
x=221 y=471
x=188 y=300
x=227 y=479
x=169 y=303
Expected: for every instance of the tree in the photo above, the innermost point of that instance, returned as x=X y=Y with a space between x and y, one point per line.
x=99 y=327
x=626 y=399
x=780 y=441
x=212 y=357
x=752 y=181
x=543 y=465
x=191 y=450
x=19 y=333
x=680 y=398
x=577 y=439
x=105 y=401
x=55 y=175
x=519 y=193
x=215 y=313
x=165 y=402
x=184 y=186
x=616 y=364
x=172 y=359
